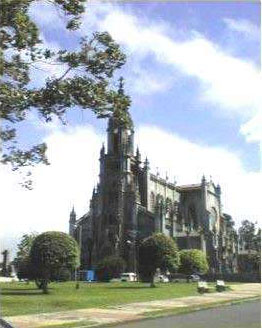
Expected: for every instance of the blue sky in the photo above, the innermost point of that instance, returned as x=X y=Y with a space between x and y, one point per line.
x=176 y=106
x=193 y=73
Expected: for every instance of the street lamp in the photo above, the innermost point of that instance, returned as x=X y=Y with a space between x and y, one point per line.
x=80 y=253
x=132 y=243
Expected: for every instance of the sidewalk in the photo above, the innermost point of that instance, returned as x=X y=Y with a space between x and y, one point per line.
x=130 y=312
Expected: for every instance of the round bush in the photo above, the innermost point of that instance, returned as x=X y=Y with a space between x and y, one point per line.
x=51 y=251
x=193 y=261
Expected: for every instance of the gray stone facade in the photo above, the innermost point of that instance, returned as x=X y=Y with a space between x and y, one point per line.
x=131 y=203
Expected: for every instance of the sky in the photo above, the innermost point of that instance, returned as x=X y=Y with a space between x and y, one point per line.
x=193 y=74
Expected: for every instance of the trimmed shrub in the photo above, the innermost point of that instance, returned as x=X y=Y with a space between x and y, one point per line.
x=50 y=252
x=193 y=261
x=157 y=251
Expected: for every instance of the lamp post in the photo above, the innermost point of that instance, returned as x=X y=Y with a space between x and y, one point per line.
x=132 y=243
x=80 y=253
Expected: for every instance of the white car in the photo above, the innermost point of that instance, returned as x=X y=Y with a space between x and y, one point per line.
x=162 y=278
x=194 y=277
x=128 y=276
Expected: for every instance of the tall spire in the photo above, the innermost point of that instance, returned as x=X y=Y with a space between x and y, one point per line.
x=72 y=222
x=102 y=151
x=138 y=155
x=73 y=215
x=121 y=115
x=121 y=85
x=218 y=190
x=146 y=164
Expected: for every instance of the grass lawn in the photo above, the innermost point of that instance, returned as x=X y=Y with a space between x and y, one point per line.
x=21 y=298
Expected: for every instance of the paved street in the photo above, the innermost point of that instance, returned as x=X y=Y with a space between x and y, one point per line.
x=243 y=315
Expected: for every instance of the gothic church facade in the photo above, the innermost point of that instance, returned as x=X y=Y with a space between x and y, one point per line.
x=131 y=203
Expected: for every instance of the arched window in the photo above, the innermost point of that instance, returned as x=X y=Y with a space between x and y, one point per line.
x=152 y=202
x=192 y=217
x=212 y=219
x=168 y=204
x=168 y=209
x=159 y=203
x=176 y=208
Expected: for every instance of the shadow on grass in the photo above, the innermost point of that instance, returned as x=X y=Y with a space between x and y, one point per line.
x=16 y=293
x=128 y=287
x=26 y=291
x=17 y=289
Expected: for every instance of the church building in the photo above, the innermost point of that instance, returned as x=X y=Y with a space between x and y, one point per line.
x=131 y=203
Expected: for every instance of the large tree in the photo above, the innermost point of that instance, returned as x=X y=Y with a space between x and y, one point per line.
x=250 y=244
x=157 y=252
x=84 y=82
x=22 y=259
x=250 y=236
x=50 y=252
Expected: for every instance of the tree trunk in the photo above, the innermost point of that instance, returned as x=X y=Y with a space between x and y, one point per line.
x=44 y=286
x=152 y=283
x=39 y=283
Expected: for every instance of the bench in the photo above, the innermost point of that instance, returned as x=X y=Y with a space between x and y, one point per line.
x=202 y=287
x=220 y=285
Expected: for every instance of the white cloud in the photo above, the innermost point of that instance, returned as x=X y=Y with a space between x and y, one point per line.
x=47 y=14
x=73 y=172
x=69 y=180
x=253 y=128
x=232 y=84
x=228 y=81
x=144 y=82
x=188 y=161
x=244 y=27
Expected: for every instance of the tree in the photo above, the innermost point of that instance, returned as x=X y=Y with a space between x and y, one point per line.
x=22 y=260
x=50 y=252
x=249 y=259
x=249 y=236
x=249 y=263
x=84 y=83
x=193 y=261
x=157 y=251
x=110 y=267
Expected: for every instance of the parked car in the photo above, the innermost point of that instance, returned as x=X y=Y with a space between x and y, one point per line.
x=194 y=278
x=128 y=276
x=161 y=278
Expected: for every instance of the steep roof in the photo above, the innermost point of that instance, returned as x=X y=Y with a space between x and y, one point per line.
x=189 y=187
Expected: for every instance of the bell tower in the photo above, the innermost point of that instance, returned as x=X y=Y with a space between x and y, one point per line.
x=116 y=178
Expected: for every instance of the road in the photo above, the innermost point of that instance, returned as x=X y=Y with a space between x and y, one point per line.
x=242 y=315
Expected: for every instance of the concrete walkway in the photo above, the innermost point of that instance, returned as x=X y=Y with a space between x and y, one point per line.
x=133 y=311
